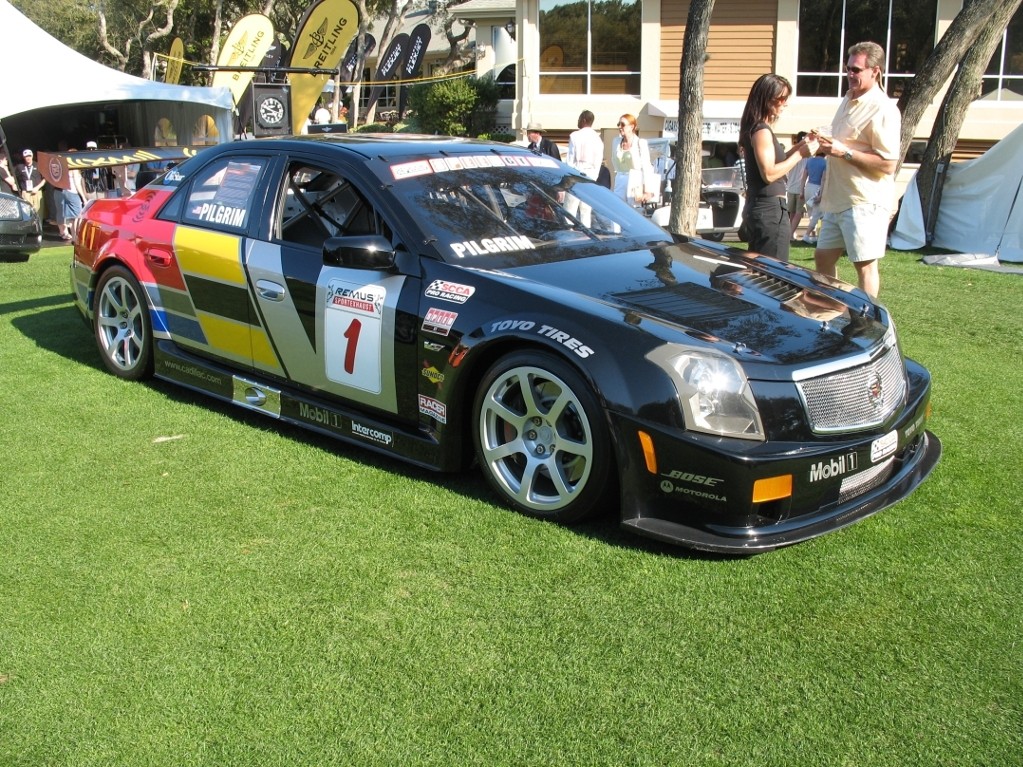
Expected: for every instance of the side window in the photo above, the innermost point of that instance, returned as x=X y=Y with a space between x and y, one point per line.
x=221 y=195
x=317 y=203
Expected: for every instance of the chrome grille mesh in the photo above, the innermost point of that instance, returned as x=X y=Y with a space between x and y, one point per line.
x=856 y=398
x=860 y=483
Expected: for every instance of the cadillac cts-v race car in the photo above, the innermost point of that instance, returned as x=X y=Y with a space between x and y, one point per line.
x=452 y=302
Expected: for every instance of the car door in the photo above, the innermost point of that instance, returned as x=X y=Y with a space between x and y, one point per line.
x=332 y=328
x=214 y=315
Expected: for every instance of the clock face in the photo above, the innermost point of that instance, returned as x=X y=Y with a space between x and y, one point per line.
x=271 y=111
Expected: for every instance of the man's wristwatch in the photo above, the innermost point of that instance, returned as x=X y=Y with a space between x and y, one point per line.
x=848 y=155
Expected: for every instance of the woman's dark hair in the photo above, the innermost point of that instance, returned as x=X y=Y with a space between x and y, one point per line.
x=767 y=89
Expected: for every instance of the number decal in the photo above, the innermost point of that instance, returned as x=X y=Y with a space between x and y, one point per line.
x=352 y=334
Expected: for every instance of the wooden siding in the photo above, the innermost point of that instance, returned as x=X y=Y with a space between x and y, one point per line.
x=740 y=47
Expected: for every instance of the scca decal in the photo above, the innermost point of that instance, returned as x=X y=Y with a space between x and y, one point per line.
x=492 y=245
x=450 y=291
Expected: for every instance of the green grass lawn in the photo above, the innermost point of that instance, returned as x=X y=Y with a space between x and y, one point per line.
x=182 y=583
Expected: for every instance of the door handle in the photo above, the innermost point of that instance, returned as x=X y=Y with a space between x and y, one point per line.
x=270 y=291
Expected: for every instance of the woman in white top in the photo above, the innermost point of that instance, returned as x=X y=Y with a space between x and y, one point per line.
x=629 y=152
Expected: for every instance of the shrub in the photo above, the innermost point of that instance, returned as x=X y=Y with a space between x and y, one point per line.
x=465 y=106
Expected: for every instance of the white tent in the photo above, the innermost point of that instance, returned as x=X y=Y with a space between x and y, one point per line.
x=981 y=209
x=45 y=82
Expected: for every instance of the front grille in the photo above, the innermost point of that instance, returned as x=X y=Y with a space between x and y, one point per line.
x=12 y=239
x=857 y=484
x=856 y=398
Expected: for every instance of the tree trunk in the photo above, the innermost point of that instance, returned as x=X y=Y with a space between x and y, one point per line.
x=685 y=200
x=923 y=88
x=218 y=27
x=966 y=86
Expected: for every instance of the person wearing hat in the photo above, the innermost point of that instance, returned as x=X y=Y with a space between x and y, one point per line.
x=31 y=182
x=540 y=144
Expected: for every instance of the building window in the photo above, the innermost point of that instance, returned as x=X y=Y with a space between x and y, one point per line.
x=590 y=47
x=1003 y=78
x=904 y=28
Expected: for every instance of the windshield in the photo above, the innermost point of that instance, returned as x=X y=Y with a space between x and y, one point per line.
x=532 y=210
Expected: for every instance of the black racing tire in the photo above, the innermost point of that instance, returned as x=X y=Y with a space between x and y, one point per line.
x=122 y=326
x=542 y=440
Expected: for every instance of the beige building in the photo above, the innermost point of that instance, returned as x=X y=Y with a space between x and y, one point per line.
x=613 y=58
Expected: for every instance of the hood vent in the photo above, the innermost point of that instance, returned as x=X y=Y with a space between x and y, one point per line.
x=688 y=303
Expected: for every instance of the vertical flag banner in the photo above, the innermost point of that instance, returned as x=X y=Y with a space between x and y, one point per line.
x=323 y=36
x=390 y=64
x=419 y=41
x=246 y=45
x=351 y=58
x=176 y=57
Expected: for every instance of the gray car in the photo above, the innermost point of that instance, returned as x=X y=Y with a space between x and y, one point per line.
x=21 y=233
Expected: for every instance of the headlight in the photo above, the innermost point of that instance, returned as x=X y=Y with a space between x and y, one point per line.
x=715 y=394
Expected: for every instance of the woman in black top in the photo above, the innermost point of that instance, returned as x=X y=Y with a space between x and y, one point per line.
x=767 y=163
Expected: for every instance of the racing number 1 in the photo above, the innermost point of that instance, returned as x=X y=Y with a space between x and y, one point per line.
x=352 y=334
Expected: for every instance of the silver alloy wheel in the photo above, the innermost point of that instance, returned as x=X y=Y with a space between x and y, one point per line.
x=535 y=439
x=120 y=324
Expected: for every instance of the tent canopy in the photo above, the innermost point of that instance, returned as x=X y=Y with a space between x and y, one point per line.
x=981 y=209
x=53 y=95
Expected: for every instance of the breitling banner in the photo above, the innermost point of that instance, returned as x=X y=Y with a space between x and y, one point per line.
x=175 y=59
x=246 y=45
x=323 y=36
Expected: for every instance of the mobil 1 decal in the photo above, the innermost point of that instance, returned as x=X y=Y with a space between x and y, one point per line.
x=353 y=328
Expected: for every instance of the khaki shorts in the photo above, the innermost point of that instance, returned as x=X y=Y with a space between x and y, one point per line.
x=861 y=230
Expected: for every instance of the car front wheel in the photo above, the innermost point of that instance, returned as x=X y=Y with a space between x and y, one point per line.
x=121 y=323
x=541 y=438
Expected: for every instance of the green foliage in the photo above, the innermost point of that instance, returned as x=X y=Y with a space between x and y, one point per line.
x=463 y=106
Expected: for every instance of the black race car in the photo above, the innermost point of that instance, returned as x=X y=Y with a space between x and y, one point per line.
x=452 y=301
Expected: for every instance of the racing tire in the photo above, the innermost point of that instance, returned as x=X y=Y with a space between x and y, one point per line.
x=122 y=326
x=541 y=438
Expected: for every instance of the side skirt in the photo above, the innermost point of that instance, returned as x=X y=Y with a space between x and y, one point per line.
x=293 y=407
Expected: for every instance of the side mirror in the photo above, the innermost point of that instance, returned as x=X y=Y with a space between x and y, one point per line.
x=369 y=251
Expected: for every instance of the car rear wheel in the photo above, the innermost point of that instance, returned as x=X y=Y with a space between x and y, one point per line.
x=541 y=438
x=121 y=323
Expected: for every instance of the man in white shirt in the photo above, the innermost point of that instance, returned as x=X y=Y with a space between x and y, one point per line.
x=585 y=154
x=859 y=187
x=585 y=147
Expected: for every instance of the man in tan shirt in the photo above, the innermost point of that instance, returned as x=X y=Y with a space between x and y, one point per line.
x=859 y=187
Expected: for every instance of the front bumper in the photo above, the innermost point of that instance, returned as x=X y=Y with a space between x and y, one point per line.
x=20 y=237
x=708 y=493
